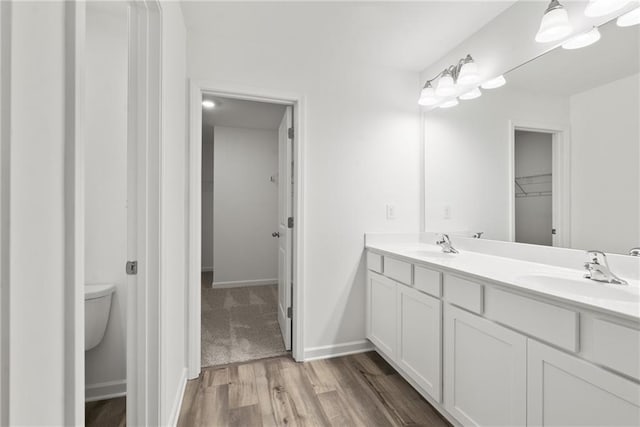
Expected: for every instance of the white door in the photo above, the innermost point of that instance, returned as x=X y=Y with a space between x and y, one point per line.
x=485 y=371
x=419 y=350
x=564 y=390
x=285 y=232
x=381 y=306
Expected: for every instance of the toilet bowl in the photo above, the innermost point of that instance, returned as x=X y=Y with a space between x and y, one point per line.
x=97 y=304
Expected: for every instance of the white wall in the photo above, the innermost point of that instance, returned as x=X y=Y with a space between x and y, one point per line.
x=207 y=198
x=245 y=205
x=174 y=206
x=605 y=177
x=106 y=184
x=533 y=155
x=37 y=212
x=467 y=158
x=362 y=152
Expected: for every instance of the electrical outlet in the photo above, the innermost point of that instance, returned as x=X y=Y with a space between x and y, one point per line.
x=446 y=213
x=391 y=211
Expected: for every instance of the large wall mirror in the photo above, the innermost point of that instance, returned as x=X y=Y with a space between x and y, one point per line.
x=551 y=158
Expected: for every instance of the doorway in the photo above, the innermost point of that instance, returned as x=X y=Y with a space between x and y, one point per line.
x=539 y=184
x=246 y=200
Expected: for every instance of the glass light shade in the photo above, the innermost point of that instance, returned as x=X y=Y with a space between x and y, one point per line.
x=446 y=86
x=597 y=8
x=582 y=40
x=469 y=74
x=449 y=104
x=494 y=83
x=629 y=18
x=208 y=104
x=472 y=94
x=554 y=26
x=428 y=97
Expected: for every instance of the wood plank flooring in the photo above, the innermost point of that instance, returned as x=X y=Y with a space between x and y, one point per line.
x=355 y=390
x=106 y=413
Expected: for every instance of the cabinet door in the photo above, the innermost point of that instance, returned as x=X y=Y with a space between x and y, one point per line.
x=381 y=315
x=485 y=371
x=564 y=390
x=419 y=351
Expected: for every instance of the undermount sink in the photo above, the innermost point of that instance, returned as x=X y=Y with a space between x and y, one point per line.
x=431 y=254
x=582 y=287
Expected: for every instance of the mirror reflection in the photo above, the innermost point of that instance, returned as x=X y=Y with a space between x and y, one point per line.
x=551 y=158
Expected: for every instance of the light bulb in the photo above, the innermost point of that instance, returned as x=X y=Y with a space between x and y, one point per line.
x=446 y=86
x=472 y=94
x=629 y=18
x=582 y=40
x=597 y=8
x=469 y=74
x=208 y=104
x=428 y=96
x=449 y=104
x=494 y=83
x=555 y=24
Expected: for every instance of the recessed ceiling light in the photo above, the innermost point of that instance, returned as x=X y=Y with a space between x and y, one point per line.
x=208 y=104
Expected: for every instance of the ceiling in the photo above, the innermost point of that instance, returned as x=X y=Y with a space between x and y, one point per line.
x=403 y=35
x=567 y=72
x=242 y=114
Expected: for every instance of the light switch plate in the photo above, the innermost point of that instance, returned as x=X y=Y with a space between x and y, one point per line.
x=391 y=211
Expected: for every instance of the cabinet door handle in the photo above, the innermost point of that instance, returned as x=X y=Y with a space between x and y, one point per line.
x=275 y=234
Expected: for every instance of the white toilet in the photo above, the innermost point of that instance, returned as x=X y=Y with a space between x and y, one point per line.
x=97 y=305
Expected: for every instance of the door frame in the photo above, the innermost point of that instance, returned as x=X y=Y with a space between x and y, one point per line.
x=561 y=171
x=196 y=90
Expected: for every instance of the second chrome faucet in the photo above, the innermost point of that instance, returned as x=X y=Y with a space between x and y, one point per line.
x=445 y=243
x=598 y=269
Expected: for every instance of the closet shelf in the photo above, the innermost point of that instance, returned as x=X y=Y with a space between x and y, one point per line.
x=534 y=185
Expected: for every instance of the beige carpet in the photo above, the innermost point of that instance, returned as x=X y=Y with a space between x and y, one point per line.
x=240 y=324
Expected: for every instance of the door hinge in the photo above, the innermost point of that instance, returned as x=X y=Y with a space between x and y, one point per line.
x=132 y=267
x=290 y=222
x=290 y=133
x=289 y=312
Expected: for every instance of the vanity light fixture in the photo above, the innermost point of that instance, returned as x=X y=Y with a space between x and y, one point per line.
x=450 y=82
x=451 y=103
x=494 y=83
x=629 y=18
x=555 y=23
x=428 y=95
x=208 y=104
x=472 y=94
x=597 y=8
x=582 y=40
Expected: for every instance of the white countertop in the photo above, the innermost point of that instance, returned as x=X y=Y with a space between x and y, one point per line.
x=551 y=281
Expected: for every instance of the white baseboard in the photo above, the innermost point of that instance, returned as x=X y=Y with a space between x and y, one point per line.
x=328 y=351
x=242 y=283
x=177 y=403
x=106 y=390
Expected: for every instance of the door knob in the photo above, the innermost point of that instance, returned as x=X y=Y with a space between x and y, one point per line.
x=275 y=234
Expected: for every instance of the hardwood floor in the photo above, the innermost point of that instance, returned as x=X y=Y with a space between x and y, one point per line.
x=106 y=413
x=356 y=390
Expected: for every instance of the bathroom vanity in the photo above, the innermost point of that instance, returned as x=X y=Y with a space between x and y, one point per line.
x=490 y=337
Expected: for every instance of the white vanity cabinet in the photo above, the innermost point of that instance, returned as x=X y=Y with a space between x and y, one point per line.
x=381 y=313
x=419 y=342
x=565 y=390
x=485 y=370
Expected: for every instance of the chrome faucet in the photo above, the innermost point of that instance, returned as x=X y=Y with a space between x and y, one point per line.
x=478 y=235
x=634 y=252
x=598 y=269
x=445 y=243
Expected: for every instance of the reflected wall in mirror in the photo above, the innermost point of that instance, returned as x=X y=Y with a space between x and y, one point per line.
x=551 y=158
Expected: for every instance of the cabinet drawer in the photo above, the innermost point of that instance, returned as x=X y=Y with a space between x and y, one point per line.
x=374 y=262
x=548 y=322
x=398 y=270
x=463 y=293
x=617 y=347
x=427 y=281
